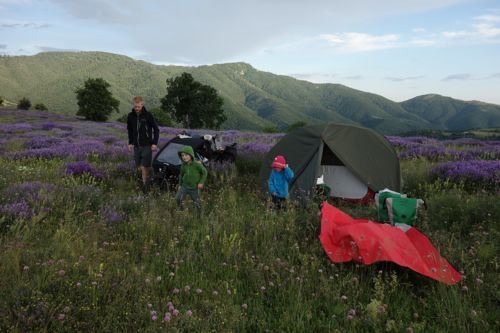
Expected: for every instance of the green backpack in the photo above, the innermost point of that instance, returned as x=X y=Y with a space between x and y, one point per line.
x=380 y=203
x=403 y=210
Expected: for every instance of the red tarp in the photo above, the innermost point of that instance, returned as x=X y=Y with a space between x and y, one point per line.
x=345 y=239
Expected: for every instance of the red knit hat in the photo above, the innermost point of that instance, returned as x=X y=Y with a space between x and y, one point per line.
x=279 y=162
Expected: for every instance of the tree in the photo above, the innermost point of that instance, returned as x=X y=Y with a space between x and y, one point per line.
x=1 y=101
x=40 y=107
x=193 y=104
x=95 y=101
x=162 y=118
x=24 y=104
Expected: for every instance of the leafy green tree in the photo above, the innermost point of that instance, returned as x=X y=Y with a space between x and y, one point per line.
x=193 y=104
x=95 y=101
x=162 y=118
x=24 y=104
x=40 y=107
x=1 y=101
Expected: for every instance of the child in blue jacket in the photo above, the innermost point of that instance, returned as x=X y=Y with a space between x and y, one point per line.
x=280 y=177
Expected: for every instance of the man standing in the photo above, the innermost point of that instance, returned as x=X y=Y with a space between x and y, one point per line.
x=143 y=135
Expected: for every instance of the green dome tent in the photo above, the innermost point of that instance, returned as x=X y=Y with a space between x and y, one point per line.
x=354 y=162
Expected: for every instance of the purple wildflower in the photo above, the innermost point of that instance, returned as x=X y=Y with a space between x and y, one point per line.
x=109 y=139
x=51 y=125
x=13 y=128
x=123 y=168
x=83 y=167
x=486 y=172
x=111 y=216
x=31 y=192
x=43 y=142
x=19 y=209
x=254 y=148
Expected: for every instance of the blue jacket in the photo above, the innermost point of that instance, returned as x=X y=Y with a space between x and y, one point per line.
x=278 y=182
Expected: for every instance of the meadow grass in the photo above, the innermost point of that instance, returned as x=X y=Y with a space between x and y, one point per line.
x=94 y=255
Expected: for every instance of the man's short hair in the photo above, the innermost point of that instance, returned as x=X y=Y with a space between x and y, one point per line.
x=138 y=99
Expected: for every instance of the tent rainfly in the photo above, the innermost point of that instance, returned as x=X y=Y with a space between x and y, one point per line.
x=354 y=162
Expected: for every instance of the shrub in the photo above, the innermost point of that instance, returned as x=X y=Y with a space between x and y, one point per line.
x=162 y=117
x=40 y=107
x=270 y=129
x=24 y=104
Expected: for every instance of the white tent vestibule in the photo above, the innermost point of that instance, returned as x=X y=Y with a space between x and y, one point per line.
x=343 y=183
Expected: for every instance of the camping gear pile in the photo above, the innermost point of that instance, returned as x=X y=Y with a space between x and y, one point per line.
x=346 y=239
x=208 y=149
x=342 y=162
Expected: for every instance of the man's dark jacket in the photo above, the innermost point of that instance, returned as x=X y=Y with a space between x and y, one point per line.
x=142 y=129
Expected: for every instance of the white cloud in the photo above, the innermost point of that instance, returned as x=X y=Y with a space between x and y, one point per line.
x=353 y=77
x=419 y=30
x=488 y=18
x=313 y=77
x=457 y=34
x=423 y=42
x=107 y=12
x=218 y=30
x=359 y=42
x=482 y=29
x=55 y=49
x=407 y=78
x=25 y=25
x=486 y=30
x=458 y=77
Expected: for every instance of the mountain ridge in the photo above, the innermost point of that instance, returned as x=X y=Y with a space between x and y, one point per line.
x=253 y=99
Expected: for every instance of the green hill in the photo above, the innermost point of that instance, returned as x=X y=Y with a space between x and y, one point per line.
x=452 y=114
x=252 y=99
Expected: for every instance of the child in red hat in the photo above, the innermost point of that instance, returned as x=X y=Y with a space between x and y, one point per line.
x=280 y=177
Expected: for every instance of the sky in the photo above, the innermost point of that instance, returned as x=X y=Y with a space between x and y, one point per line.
x=395 y=48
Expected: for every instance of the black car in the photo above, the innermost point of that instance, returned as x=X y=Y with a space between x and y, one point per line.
x=207 y=149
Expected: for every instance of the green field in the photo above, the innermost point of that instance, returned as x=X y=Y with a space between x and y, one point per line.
x=90 y=253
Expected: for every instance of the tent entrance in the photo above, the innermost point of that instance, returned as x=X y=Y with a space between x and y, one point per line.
x=342 y=182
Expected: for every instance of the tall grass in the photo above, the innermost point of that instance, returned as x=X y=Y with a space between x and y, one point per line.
x=97 y=255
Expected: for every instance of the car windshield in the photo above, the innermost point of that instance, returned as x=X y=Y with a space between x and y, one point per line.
x=170 y=154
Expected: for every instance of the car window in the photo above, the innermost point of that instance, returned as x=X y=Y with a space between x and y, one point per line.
x=170 y=154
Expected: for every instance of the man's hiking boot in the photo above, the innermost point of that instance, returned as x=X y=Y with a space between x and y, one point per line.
x=146 y=187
